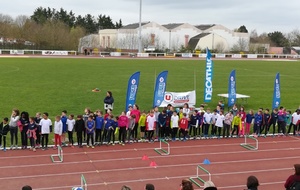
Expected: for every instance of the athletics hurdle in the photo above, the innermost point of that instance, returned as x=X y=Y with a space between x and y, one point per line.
x=59 y=155
x=249 y=146
x=161 y=150
x=194 y=179
x=83 y=182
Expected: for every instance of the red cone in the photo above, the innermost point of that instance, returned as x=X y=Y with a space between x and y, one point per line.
x=153 y=164
x=145 y=157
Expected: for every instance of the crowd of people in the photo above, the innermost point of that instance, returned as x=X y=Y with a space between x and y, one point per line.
x=184 y=123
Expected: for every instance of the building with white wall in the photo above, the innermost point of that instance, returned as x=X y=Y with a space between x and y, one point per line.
x=172 y=37
x=152 y=34
x=209 y=40
x=108 y=38
x=179 y=34
x=232 y=38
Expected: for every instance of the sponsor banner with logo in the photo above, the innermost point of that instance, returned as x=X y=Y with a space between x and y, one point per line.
x=115 y=54
x=208 y=86
x=54 y=53
x=276 y=92
x=220 y=56
x=160 y=88
x=187 y=55
x=178 y=99
x=143 y=55
x=231 y=89
x=237 y=56
x=132 y=89
x=16 y=52
x=202 y=55
x=251 y=56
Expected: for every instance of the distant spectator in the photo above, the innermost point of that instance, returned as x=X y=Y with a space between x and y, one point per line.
x=292 y=178
x=186 y=185
x=252 y=183
x=124 y=187
x=221 y=104
x=108 y=100
x=26 y=187
x=209 y=185
x=149 y=186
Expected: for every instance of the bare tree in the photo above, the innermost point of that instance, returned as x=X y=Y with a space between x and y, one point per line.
x=21 y=20
x=146 y=40
x=220 y=47
x=175 y=43
x=258 y=48
x=241 y=45
x=6 y=19
x=253 y=34
x=293 y=38
x=158 y=44
x=128 y=41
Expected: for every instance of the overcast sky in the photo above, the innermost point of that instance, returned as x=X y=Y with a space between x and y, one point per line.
x=262 y=15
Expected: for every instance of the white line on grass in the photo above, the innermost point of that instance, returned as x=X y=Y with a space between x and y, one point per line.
x=14 y=69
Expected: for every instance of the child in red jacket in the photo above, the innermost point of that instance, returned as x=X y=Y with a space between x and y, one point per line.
x=183 y=125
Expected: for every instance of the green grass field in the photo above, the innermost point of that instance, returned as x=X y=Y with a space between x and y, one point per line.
x=54 y=84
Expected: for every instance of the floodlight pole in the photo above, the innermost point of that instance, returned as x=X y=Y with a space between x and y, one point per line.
x=140 y=29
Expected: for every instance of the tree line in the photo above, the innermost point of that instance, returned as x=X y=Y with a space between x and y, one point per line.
x=275 y=39
x=48 y=28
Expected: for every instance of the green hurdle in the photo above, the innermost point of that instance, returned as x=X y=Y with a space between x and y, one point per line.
x=83 y=182
x=59 y=155
x=249 y=146
x=197 y=178
x=161 y=150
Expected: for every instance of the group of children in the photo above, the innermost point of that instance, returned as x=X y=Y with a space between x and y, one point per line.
x=36 y=130
x=96 y=128
x=236 y=122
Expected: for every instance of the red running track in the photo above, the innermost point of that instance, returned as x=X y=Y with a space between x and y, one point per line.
x=110 y=167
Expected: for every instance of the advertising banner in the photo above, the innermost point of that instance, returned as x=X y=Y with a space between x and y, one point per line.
x=178 y=99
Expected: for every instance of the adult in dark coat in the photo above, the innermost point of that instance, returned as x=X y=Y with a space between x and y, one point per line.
x=108 y=100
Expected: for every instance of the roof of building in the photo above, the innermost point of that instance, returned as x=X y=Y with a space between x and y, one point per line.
x=134 y=25
x=204 y=26
x=296 y=48
x=195 y=40
x=172 y=25
x=169 y=26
